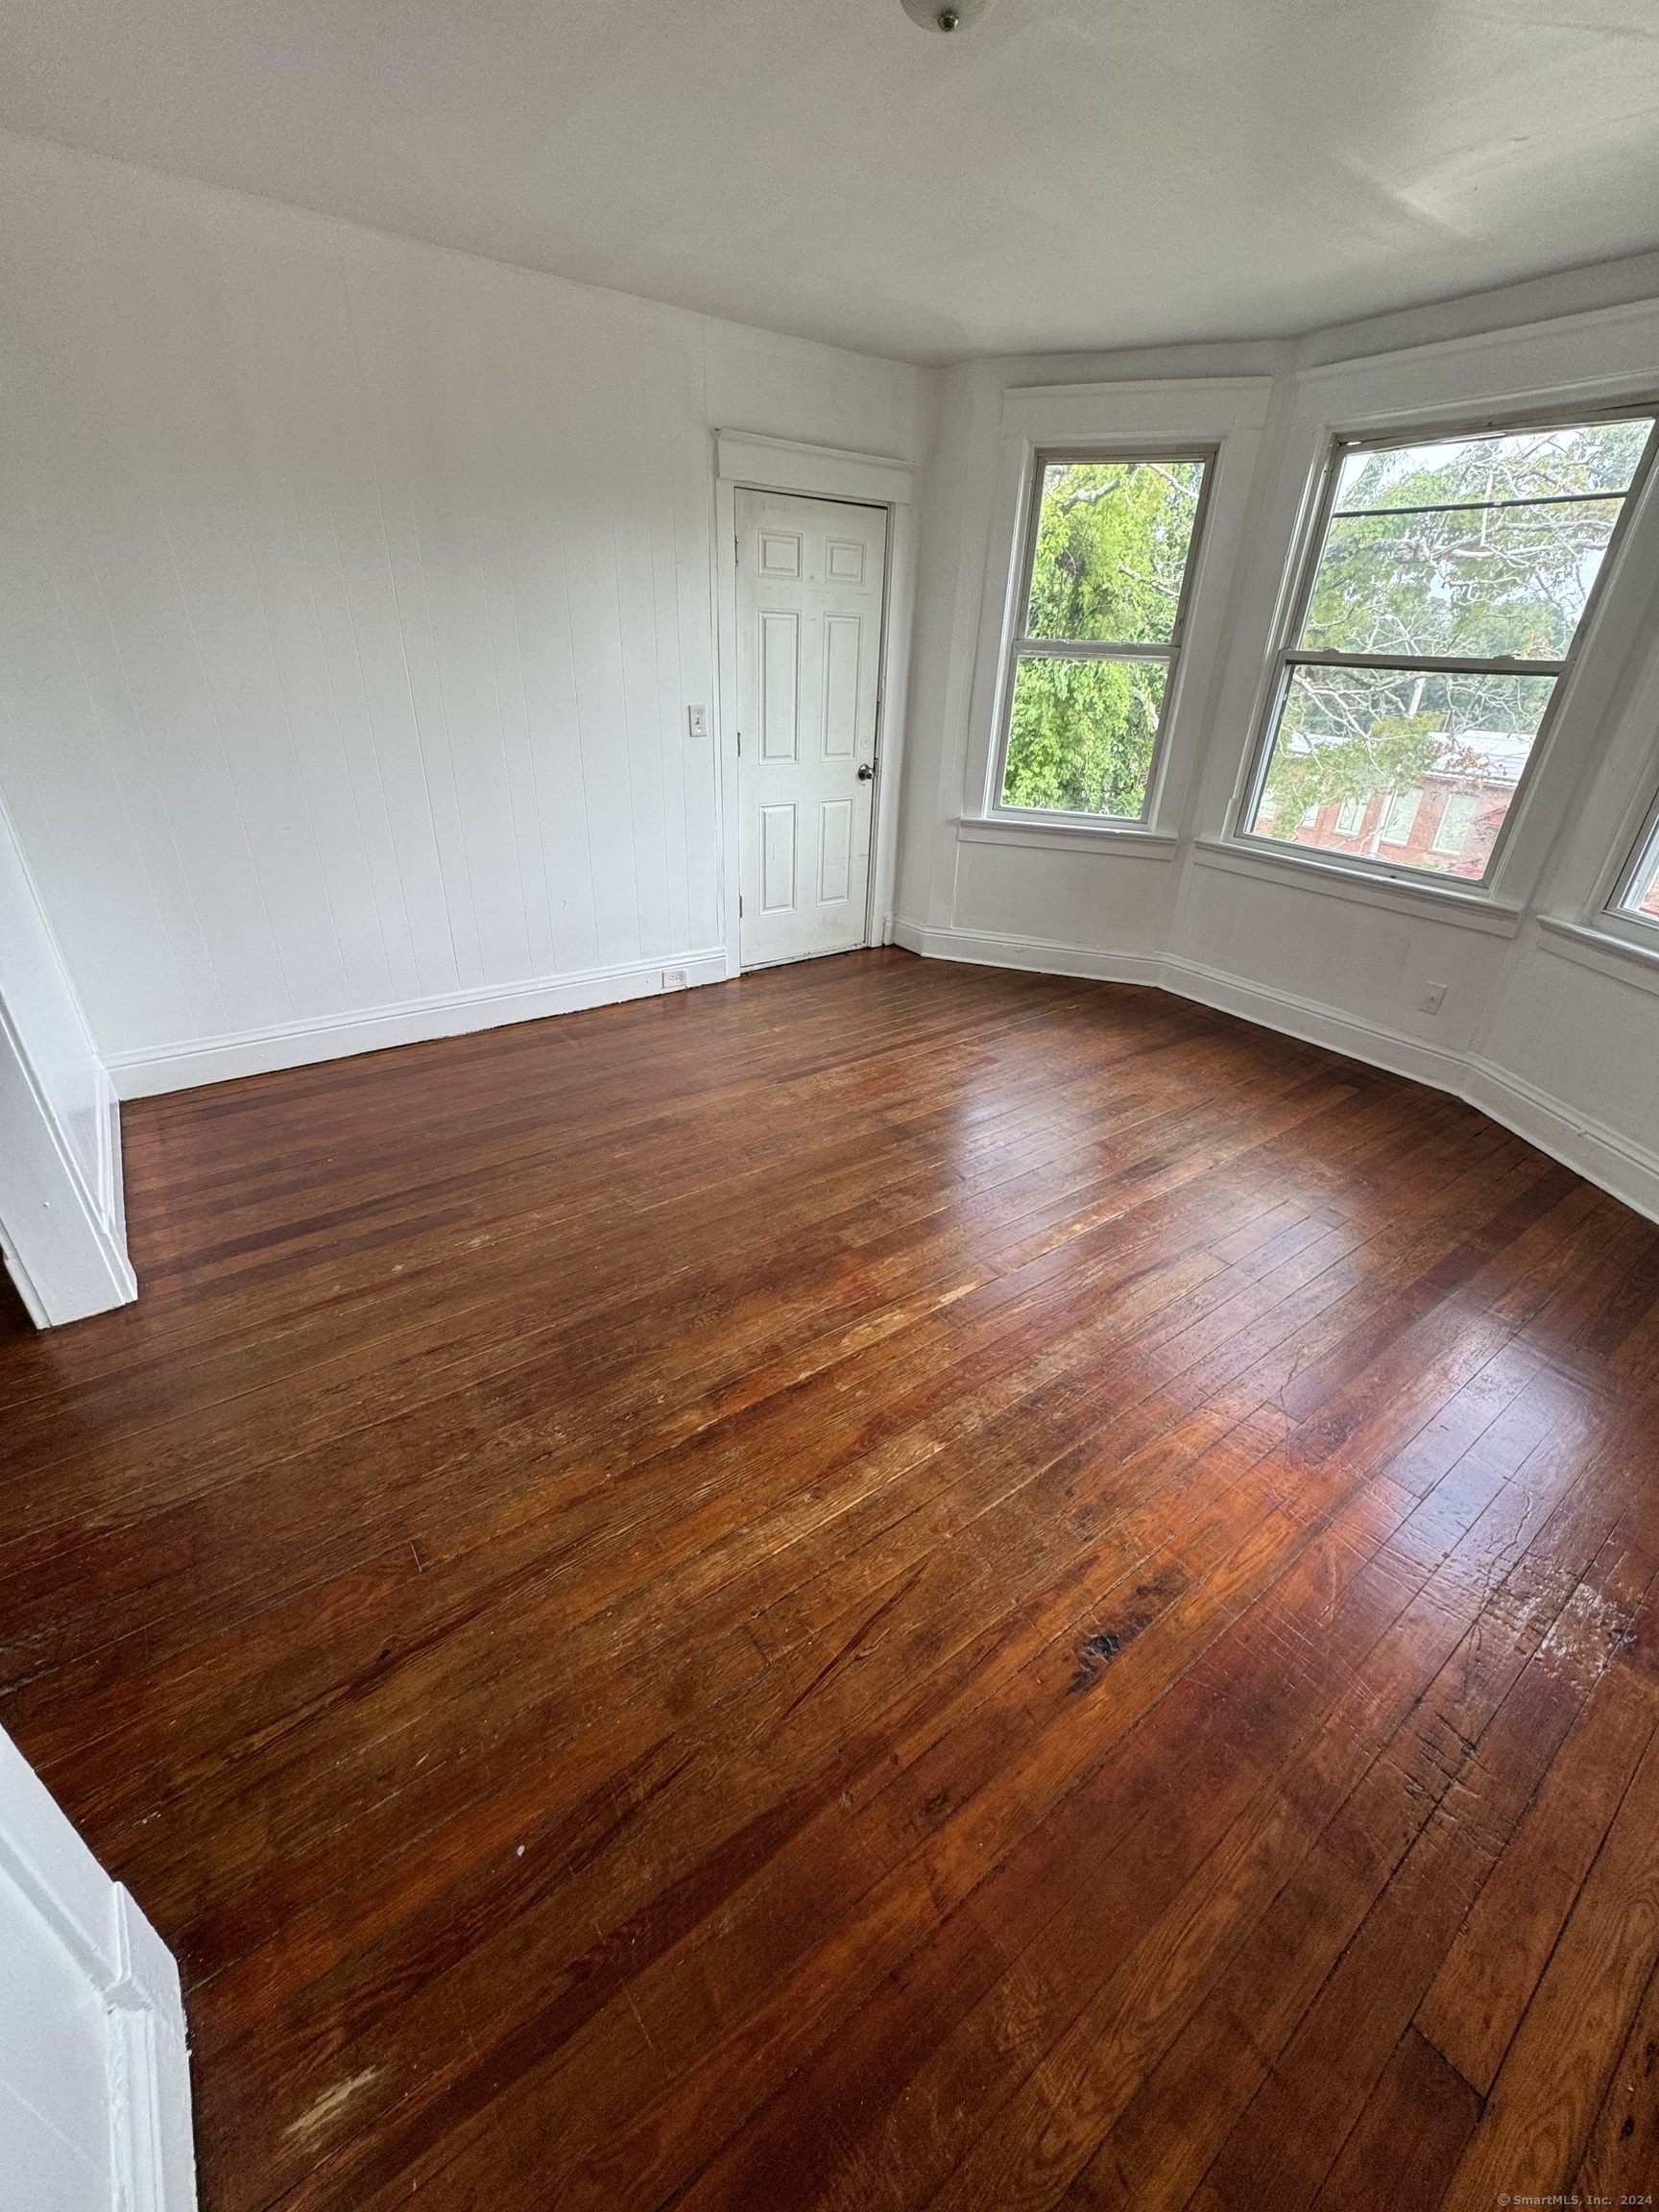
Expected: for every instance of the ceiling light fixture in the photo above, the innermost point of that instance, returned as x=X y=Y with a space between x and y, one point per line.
x=944 y=14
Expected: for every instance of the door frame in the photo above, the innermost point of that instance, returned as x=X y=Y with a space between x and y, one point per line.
x=746 y=461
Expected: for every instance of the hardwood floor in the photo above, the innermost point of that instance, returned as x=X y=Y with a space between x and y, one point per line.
x=885 y=1586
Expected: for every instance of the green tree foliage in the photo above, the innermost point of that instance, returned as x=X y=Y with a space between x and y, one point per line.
x=1483 y=548
x=1425 y=555
x=1111 y=546
x=1082 y=734
x=1112 y=540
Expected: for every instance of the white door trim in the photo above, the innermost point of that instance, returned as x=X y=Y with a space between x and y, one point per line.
x=128 y=2085
x=747 y=462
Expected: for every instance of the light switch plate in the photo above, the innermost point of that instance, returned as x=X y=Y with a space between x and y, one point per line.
x=697 y=721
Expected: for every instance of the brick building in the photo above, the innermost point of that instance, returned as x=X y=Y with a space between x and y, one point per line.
x=1449 y=822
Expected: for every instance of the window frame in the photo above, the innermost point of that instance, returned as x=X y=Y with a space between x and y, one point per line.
x=1090 y=454
x=1288 y=655
x=1643 y=928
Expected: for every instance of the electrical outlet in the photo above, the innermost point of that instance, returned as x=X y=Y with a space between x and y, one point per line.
x=697 y=722
x=673 y=978
x=1432 y=997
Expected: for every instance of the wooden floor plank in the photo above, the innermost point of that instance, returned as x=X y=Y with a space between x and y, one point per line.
x=1410 y=2134
x=1536 y=2127
x=1622 y=2162
x=1179 y=2121
x=883 y=1585
x=1483 y=1989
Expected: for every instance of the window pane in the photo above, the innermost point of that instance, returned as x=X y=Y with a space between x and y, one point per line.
x=1642 y=896
x=1501 y=464
x=1082 y=734
x=1488 y=583
x=1113 y=538
x=1485 y=548
x=1417 y=767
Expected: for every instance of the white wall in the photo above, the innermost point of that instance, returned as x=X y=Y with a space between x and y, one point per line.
x=1549 y=1023
x=94 y=2075
x=62 y=1232
x=353 y=594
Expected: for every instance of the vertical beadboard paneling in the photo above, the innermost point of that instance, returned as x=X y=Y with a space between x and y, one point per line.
x=353 y=594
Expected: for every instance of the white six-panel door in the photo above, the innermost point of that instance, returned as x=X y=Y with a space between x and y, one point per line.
x=810 y=577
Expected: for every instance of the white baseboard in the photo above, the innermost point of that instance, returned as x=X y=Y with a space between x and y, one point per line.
x=1315 y=1023
x=988 y=948
x=1628 y=1171
x=146 y=1072
x=1578 y=1140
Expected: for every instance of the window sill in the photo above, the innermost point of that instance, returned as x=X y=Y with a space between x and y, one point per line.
x=1437 y=901
x=1601 y=952
x=1062 y=837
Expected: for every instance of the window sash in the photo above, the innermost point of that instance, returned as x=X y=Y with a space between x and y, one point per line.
x=1478 y=506
x=1290 y=656
x=1087 y=649
x=1023 y=646
x=1430 y=663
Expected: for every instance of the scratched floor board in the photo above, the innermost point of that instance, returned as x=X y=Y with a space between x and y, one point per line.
x=885 y=1585
x=969 y=2073
x=880 y=2072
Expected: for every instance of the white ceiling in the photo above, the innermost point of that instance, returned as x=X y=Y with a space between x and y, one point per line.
x=1069 y=174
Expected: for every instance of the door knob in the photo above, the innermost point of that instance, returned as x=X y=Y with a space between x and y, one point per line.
x=866 y=772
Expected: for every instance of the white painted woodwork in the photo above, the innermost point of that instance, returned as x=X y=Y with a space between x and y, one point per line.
x=62 y=1229
x=811 y=574
x=94 y=2071
x=353 y=594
